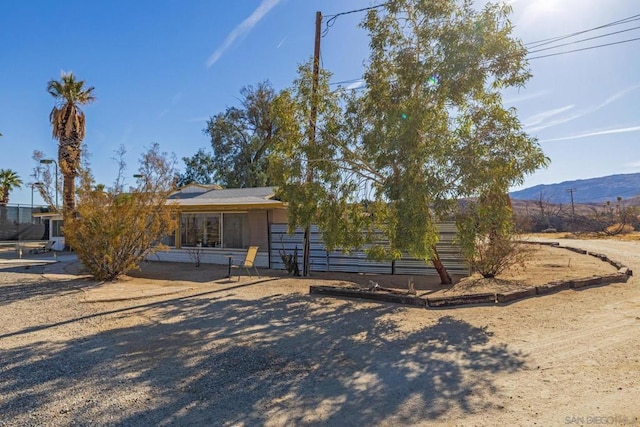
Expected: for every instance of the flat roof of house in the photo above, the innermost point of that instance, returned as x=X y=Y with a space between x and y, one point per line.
x=50 y=215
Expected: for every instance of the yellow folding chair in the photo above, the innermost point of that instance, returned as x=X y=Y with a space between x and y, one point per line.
x=248 y=262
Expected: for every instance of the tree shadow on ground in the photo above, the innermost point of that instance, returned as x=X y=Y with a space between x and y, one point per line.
x=26 y=282
x=291 y=359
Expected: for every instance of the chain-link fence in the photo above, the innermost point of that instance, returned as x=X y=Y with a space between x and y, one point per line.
x=18 y=223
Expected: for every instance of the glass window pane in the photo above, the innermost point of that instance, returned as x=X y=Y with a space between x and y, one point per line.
x=169 y=240
x=236 y=231
x=211 y=234
x=56 y=228
x=200 y=229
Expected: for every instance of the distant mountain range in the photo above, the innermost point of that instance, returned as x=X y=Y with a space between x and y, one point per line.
x=593 y=190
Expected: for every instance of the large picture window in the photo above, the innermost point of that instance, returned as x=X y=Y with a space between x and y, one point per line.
x=215 y=230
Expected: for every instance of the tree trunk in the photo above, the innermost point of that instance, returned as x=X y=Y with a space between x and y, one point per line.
x=445 y=279
x=69 y=161
x=305 y=252
x=68 y=194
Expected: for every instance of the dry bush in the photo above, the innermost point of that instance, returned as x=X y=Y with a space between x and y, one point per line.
x=493 y=256
x=112 y=231
x=619 y=228
x=486 y=237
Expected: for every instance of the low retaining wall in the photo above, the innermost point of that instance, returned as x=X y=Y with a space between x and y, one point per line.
x=401 y=297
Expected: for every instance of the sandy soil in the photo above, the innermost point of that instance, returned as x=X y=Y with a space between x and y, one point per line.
x=543 y=264
x=264 y=352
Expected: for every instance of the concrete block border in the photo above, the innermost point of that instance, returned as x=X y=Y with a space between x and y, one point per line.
x=621 y=276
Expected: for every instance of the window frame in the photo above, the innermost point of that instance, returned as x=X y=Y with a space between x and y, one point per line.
x=219 y=241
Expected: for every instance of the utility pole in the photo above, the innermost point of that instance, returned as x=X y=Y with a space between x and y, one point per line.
x=570 y=191
x=312 y=136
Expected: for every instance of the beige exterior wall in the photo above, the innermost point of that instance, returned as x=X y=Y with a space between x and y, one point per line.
x=258 y=229
x=279 y=216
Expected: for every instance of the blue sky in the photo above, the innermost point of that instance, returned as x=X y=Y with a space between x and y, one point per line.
x=162 y=67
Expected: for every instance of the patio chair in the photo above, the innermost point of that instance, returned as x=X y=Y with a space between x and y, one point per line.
x=47 y=247
x=248 y=262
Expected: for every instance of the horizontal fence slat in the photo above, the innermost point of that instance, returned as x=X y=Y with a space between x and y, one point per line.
x=357 y=261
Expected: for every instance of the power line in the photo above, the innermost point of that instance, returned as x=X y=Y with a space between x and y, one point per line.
x=566 y=36
x=538 y=43
x=332 y=18
x=583 y=40
x=585 y=48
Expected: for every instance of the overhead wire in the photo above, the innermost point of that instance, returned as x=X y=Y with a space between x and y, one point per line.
x=566 y=36
x=585 y=48
x=332 y=18
x=584 y=40
x=539 y=43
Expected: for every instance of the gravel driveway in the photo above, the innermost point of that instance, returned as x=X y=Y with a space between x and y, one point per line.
x=262 y=355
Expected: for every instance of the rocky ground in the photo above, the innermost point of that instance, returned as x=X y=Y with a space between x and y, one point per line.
x=193 y=348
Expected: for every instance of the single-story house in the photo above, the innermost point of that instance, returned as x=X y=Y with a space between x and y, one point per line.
x=220 y=223
x=218 y=226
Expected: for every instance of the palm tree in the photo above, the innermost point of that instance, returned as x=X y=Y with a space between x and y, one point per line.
x=9 y=180
x=68 y=123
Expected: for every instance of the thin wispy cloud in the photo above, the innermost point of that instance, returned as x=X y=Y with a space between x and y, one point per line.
x=541 y=121
x=536 y=119
x=595 y=133
x=243 y=29
x=355 y=85
x=174 y=100
x=552 y=123
x=616 y=96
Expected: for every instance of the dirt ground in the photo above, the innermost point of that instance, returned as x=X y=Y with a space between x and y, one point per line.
x=543 y=264
x=265 y=352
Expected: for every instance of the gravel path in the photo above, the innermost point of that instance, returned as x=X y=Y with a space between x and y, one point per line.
x=270 y=355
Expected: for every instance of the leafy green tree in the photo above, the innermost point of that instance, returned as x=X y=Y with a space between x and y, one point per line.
x=200 y=169
x=9 y=180
x=241 y=139
x=113 y=229
x=428 y=128
x=302 y=160
x=68 y=126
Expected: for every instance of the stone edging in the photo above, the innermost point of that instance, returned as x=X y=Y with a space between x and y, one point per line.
x=621 y=275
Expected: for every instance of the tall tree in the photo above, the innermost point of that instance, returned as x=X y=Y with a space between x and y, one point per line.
x=241 y=139
x=200 y=169
x=68 y=127
x=429 y=126
x=9 y=180
x=302 y=160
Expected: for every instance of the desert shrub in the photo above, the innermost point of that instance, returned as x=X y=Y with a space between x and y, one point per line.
x=195 y=254
x=113 y=230
x=619 y=228
x=486 y=237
